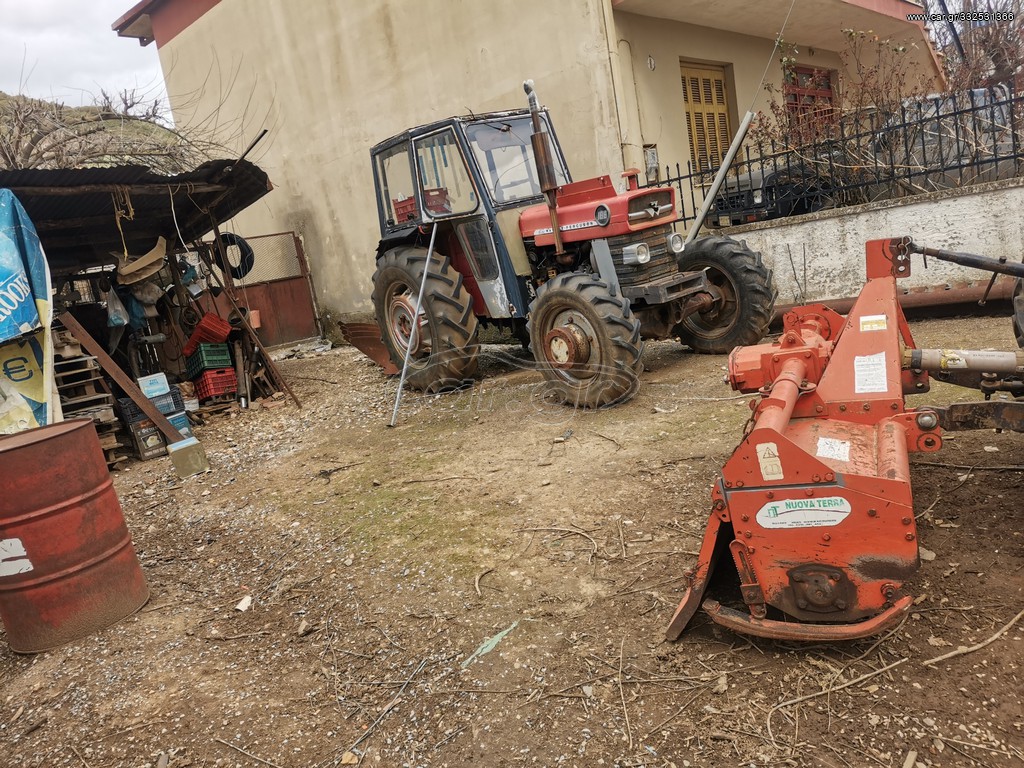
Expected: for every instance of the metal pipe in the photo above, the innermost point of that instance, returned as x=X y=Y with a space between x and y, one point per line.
x=778 y=407
x=987 y=361
x=415 y=330
x=709 y=197
x=929 y=296
x=970 y=260
x=545 y=165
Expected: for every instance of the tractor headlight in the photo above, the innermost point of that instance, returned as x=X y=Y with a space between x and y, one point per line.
x=758 y=197
x=675 y=242
x=638 y=253
x=603 y=216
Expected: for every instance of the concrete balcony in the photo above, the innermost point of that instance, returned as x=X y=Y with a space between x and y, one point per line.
x=819 y=23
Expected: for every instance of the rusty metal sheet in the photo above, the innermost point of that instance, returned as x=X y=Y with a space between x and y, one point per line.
x=366 y=338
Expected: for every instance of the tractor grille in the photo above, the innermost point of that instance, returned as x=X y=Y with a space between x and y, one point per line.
x=662 y=263
x=637 y=204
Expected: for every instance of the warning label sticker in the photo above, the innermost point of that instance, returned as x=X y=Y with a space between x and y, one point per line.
x=869 y=374
x=874 y=323
x=830 y=448
x=804 y=513
x=768 y=459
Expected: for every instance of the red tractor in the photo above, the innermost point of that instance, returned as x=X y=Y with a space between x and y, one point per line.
x=578 y=271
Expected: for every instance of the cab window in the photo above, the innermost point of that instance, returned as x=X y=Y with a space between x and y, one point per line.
x=398 y=196
x=504 y=152
x=444 y=177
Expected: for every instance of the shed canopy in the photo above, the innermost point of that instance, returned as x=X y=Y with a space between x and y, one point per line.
x=82 y=214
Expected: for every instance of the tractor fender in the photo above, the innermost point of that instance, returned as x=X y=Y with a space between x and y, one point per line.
x=403 y=236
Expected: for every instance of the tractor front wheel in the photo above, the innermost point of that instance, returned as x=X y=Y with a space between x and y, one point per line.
x=442 y=335
x=747 y=302
x=586 y=341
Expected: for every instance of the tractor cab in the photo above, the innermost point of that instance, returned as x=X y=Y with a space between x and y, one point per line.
x=472 y=175
x=580 y=272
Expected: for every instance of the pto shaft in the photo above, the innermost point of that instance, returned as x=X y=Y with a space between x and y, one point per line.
x=986 y=361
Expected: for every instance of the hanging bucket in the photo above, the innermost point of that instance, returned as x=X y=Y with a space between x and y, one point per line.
x=67 y=566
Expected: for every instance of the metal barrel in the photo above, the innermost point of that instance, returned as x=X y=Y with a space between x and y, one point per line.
x=67 y=566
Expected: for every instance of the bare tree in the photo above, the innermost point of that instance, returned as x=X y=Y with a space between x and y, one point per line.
x=981 y=41
x=125 y=128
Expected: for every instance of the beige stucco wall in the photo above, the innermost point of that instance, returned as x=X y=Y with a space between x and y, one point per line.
x=657 y=93
x=331 y=79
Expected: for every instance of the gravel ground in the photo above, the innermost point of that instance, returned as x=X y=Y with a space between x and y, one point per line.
x=489 y=582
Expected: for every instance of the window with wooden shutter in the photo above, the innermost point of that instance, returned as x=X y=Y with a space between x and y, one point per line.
x=809 y=103
x=808 y=91
x=707 y=114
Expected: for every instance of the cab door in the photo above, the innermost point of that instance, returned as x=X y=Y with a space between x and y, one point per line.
x=447 y=193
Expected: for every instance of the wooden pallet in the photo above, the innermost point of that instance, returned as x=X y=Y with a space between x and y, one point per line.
x=114 y=442
x=83 y=390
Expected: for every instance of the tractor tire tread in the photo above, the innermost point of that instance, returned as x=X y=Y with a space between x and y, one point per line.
x=449 y=309
x=757 y=293
x=624 y=347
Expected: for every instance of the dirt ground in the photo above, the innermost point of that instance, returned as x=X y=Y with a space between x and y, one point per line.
x=488 y=584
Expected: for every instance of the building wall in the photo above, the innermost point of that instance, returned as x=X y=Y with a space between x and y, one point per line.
x=820 y=256
x=331 y=79
x=658 y=95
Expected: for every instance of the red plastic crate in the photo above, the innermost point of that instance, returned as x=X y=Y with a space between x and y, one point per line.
x=405 y=210
x=211 y=329
x=217 y=381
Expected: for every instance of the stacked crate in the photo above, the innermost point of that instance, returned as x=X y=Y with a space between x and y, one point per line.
x=211 y=369
x=210 y=328
x=148 y=440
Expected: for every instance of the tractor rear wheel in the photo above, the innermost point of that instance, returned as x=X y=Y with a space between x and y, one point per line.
x=586 y=341
x=443 y=336
x=742 y=316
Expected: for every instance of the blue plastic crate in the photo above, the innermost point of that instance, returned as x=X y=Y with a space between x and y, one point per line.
x=166 y=404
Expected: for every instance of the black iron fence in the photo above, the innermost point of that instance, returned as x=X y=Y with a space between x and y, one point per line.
x=926 y=144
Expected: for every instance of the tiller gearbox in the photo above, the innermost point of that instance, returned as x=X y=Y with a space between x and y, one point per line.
x=814 y=507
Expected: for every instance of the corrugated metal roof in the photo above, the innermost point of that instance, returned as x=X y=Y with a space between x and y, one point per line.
x=74 y=210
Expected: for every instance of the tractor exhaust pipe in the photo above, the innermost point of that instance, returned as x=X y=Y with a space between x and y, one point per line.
x=545 y=167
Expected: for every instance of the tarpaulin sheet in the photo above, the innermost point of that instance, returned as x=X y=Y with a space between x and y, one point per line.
x=26 y=353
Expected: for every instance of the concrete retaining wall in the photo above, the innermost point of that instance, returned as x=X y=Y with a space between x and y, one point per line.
x=820 y=256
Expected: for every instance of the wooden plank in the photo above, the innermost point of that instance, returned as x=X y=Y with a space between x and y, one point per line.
x=76 y=359
x=91 y=374
x=84 y=365
x=135 y=189
x=110 y=440
x=73 y=401
x=101 y=415
x=122 y=378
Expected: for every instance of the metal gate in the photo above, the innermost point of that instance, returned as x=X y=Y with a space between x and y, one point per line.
x=278 y=287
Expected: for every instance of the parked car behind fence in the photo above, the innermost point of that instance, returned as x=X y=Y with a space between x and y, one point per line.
x=940 y=141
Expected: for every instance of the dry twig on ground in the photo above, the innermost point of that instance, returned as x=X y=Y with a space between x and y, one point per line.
x=964 y=650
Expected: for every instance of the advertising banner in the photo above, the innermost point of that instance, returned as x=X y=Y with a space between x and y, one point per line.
x=26 y=352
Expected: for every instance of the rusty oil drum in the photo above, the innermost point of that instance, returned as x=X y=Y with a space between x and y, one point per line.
x=67 y=566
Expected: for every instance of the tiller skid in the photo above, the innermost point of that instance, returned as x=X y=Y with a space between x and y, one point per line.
x=814 y=506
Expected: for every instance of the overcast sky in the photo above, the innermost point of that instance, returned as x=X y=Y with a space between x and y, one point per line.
x=65 y=50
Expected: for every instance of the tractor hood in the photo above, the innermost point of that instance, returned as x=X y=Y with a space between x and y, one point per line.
x=592 y=209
